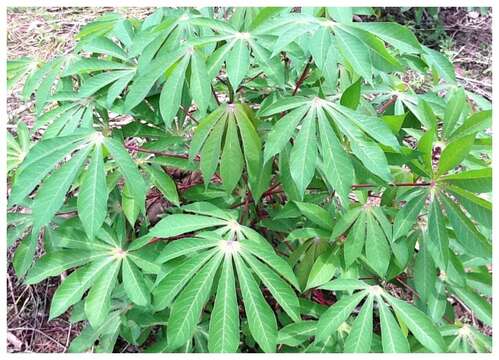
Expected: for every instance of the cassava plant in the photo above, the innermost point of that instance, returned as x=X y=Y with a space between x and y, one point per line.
x=255 y=180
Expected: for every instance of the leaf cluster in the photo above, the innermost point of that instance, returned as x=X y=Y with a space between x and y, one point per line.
x=311 y=198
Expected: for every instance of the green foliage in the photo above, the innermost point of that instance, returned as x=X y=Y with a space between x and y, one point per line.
x=307 y=193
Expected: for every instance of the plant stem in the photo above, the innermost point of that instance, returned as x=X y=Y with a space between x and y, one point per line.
x=385 y=106
x=275 y=190
x=302 y=77
x=215 y=95
x=161 y=153
x=189 y=115
x=358 y=186
x=229 y=89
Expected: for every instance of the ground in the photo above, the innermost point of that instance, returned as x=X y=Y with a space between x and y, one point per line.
x=464 y=34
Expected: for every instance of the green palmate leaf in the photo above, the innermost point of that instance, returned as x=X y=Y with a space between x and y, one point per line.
x=372 y=157
x=17 y=149
x=131 y=209
x=303 y=156
x=355 y=52
x=103 y=45
x=332 y=59
x=271 y=66
x=319 y=46
x=143 y=259
x=19 y=224
x=88 y=65
x=23 y=257
x=418 y=322
x=261 y=319
x=323 y=269
x=454 y=153
x=453 y=110
x=40 y=161
x=297 y=333
x=337 y=314
x=475 y=123
x=92 y=197
x=425 y=145
x=480 y=307
x=478 y=207
x=377 y=248
x=185 y=246
x=264 y=14
x=53 y=191
x=44 y=89
x=171 y=94
x=163 y=182
x=282 y=132
x=316 y=214
x=439 y=62
x=279 y=289
x=360 y=338
x=373 y=126
x=174 y=281
x=425 y=275
x=424 y=113
x=287 y=37
x=259 y=247
x=406 y=217
x=98 y=301
x=368 y=152
x=117 y=88
x=97 y=82
x=238 y=62
x=128 y=169
x=438 y=241
x=437 y=302
x=144 y=82
x=199 y=82
x=89 y=335
x=60 y=113
x=337 y=166
x=101 y=26
x=285 y=174
x=383 y=221
x=478 y=181
x=356 y=238
x=159 y=236
x=284 y=104
x=341 y=14
x=187 y=308
x=380 y=56
x=35 y=78
x=206 y=208
x=252 y=145
x=75 y=285
x=203 y=130
x=345 y=221
x=466 y=232
x=455 y=270
x=17 y=69
x=211 y=150
x=394 y=34
x=215 y=61
x=392 y=338
x=351 y=96
x=231 y=163
x=224 y=322
x=134 y=283
x=56 y=262
x=177 y=224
